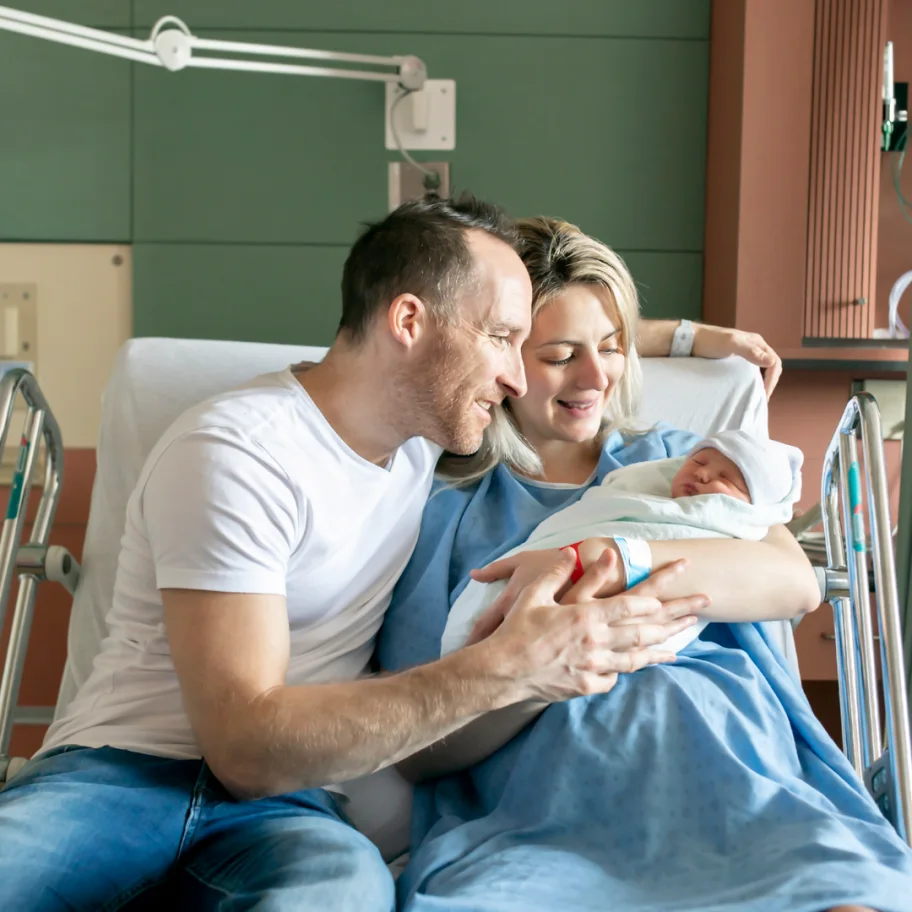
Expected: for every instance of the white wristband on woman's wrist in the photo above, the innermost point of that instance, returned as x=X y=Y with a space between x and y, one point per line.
x=637 y=557
x=682 y=341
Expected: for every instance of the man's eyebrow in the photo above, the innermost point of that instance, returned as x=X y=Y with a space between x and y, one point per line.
x=511 y=328
x=573 y=342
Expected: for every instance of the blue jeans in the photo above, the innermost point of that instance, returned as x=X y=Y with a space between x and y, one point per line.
x=104 y=829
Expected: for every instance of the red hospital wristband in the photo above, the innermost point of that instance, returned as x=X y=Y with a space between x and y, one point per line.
x=578 y=570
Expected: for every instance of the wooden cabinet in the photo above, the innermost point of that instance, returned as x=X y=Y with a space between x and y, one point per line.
x=844 y=178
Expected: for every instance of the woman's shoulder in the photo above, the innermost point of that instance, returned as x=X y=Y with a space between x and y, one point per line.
x=449 y=500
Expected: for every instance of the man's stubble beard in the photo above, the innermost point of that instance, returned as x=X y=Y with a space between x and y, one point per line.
x=439 y=403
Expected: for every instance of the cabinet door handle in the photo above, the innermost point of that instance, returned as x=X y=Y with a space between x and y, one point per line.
x=832 y=637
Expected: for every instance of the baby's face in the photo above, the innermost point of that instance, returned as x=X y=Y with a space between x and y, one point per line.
x=709 y=472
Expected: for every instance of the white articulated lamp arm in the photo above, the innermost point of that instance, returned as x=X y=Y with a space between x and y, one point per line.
x=171 y=45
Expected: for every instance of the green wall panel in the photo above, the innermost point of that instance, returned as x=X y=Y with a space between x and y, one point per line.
x=242 y=192
x=276 y=293
x=652 y=18
x=241 y=157
x=670 y=284
x=261 y=294
x=80 y=12
x=65 y=154
x=609 y=133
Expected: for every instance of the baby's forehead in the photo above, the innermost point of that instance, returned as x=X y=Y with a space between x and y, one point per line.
x=713 y=453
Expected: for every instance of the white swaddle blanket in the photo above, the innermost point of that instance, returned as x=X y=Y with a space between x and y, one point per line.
x=633 y=502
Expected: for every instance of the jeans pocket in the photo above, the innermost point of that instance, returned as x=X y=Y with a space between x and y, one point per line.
x=34 y=767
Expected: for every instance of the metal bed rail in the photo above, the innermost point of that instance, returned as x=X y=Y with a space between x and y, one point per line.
x=34 y=561
x=883 y=760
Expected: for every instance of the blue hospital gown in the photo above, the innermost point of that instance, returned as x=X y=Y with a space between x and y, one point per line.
x=703 y=785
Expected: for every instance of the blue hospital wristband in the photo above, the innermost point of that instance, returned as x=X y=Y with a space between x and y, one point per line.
x=637 y=557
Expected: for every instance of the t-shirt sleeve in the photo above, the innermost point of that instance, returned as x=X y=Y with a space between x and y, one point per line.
x=220 y=515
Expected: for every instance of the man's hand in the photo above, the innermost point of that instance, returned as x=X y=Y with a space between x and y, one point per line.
x=719 y=342
x=526 y=566
x=520 y=569
x=558 y=650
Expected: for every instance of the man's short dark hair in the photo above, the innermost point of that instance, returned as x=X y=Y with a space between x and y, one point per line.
x=420 y=248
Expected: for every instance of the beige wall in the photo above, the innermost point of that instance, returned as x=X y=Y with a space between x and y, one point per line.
x=82 y=294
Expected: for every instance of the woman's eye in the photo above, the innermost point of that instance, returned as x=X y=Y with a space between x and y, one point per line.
x=561 y=362
x=609 y=351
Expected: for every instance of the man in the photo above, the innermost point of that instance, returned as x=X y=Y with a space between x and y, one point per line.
x=264 y=537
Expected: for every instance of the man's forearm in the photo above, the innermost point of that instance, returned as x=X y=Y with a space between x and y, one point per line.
x=314 y=735
x=744 y=580
x=654 y=337
x=472 y=743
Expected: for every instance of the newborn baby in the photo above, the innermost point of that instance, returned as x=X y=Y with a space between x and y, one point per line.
x=731 y=485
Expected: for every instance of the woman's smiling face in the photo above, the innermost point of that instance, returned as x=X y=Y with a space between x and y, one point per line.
x=573 y=360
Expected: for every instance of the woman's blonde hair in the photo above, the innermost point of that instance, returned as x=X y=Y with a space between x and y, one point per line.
x=557 y=256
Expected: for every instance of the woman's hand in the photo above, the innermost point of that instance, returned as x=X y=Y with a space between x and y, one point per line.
x=527 y=566
x=719 y=342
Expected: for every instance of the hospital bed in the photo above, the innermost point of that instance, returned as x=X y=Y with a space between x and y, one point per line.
x=154 y=380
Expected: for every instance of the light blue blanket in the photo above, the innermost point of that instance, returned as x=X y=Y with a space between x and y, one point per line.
x=703 y=785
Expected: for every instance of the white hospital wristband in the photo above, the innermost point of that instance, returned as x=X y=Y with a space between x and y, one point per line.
x=682 y=341
x=637 y=557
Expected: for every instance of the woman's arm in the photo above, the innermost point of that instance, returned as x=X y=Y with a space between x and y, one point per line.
x=766 y=580
x=472 y=744
x=654 y=337
x=744 y=581
x=654 y=341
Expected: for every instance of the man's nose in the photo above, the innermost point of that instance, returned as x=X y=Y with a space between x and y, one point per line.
x=513 y=379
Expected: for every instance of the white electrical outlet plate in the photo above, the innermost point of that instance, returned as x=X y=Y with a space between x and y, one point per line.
x=19 y=321
x=891 y=400
x=425 y=119
x=18 y=348
x=406 y=182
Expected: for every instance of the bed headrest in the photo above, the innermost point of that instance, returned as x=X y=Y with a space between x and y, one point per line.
x=154 y=380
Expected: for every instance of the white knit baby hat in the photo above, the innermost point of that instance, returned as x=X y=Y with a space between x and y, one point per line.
x=771 y=469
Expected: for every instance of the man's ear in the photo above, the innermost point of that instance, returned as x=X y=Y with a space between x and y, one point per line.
x=408 y=319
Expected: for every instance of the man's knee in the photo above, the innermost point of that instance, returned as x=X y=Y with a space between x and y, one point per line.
x=347 y=863
x=314 y=862
x=366 y=871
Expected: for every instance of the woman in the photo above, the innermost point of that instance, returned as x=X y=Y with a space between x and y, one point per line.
x=706 y=784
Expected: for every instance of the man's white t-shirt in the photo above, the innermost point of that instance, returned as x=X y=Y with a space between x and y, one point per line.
x=251 y=491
